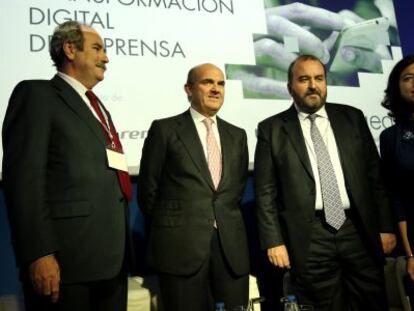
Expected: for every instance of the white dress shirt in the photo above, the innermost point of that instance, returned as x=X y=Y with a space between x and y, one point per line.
x=325 y=129
x=81 y=90
x=202 y=130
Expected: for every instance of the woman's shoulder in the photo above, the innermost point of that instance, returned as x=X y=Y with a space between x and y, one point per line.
x=389 y=133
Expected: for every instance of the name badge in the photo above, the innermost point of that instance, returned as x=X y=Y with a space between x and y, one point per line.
x=116 y=160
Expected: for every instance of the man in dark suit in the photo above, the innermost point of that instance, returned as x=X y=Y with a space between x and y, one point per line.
x=321 y=205
x=66 y=196
x=192 y=176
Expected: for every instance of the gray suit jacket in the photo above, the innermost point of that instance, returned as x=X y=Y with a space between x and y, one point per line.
x=285 y=187
x=61 y=196
x=177 y=195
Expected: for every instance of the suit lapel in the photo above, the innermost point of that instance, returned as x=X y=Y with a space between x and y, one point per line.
x=189 y=136
x=343 y=136
x=225 y=141
x=71 y=98
x=294 y=131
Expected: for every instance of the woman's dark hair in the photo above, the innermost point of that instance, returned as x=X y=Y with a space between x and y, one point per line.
x=399 y=108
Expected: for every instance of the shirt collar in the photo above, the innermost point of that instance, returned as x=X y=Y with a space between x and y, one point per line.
x=79 y=87
x=304 y=115
x=198 y=117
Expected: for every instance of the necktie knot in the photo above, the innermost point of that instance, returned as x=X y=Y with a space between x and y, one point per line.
x=90 y=95
x=208 y=123
x=312 y=117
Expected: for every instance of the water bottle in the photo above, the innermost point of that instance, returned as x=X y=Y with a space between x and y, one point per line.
x=220 y=306
x=291 y=304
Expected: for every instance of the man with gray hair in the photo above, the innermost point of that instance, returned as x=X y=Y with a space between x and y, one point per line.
x=66 y=196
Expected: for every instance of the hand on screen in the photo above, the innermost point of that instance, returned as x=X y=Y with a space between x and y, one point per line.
x=298 y=28
x=317 y=29
x=304 y=23
x=291 y=22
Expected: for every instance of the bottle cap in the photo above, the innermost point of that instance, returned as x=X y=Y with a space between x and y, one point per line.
x=291 y=298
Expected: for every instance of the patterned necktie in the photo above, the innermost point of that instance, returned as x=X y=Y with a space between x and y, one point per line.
x=332 y=204
x=213 y=153
x=123 y=177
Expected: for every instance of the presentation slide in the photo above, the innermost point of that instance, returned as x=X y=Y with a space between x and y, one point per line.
x=151 y=45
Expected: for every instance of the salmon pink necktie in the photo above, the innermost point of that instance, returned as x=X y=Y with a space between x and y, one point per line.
x=213 y=153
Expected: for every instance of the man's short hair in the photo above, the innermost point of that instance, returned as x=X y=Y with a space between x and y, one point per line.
x=301 y=58
x=69 y=31
x=191 y=75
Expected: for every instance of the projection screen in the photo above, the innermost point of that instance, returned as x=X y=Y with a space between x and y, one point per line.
x=152 y=44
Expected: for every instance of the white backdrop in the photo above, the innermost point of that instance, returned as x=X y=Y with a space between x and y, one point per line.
x=151 y=46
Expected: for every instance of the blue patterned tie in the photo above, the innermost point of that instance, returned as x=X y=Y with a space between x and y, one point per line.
x=332 y=204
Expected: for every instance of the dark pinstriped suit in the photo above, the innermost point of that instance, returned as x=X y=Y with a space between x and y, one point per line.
x=61 y=196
